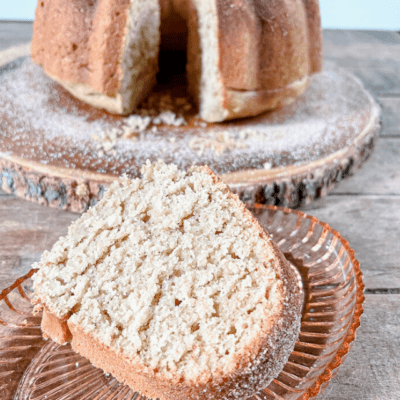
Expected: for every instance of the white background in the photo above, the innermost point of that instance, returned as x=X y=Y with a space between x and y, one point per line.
x=345 y=14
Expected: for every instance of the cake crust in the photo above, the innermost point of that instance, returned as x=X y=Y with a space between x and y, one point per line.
x=54 y=327
x=86 y=48
x=72 y=38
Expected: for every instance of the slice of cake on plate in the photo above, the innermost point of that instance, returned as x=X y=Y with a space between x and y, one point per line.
x=172 y=286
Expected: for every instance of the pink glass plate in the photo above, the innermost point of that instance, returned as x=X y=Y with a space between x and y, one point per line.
x=34 y=369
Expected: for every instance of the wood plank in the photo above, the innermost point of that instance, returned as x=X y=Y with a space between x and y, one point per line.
x=363 y=55
x=351 y=37
x=381 y=77
x=372 y=368
x=372 y=56
x=14 y=33
x=390 y=116
x=379 y=175
x=381 y=81
x=26 y=230
x=13 y=267
x=371 y=225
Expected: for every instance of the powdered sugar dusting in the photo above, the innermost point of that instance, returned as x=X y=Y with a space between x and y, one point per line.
x=38 y=123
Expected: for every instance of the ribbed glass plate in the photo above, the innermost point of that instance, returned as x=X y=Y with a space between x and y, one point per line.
x=34 y=369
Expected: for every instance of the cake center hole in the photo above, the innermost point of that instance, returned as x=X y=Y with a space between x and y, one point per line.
x=172 y=71
x=174 y=38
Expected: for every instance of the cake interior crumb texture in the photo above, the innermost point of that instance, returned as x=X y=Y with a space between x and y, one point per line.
x=170 y=269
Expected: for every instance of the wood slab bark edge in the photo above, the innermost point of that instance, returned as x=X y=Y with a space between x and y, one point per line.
x=290 y=186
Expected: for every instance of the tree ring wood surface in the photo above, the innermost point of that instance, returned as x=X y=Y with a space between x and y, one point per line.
x=50 y=152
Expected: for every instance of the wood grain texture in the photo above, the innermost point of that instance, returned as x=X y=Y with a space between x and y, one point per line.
x=380 y=175
x=390 y=116
x=26 y=230
x=341 y=37
x=371 y=225
x=372 y=370
x=372 y=56
x=14 y=33
x=384 y=80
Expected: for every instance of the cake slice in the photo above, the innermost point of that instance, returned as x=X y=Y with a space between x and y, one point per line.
x=172 y=286
x=104 y=52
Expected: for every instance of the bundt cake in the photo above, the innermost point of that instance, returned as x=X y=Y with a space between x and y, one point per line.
x=170 y=284
x=243 y=56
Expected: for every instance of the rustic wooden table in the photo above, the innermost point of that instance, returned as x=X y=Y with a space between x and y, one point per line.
x=365 y=209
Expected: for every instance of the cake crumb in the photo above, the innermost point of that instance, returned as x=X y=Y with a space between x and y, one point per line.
x=267 y=165
x=38 y=307
x=132 y=127
x=217 y=142
x=82 y=190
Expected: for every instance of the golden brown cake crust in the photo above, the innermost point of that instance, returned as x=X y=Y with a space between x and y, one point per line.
x=314 y=34
x=268 y=50
x=55 y=328
x=81 y=41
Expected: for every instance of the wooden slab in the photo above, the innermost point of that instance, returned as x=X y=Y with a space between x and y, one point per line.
x=286 y=157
